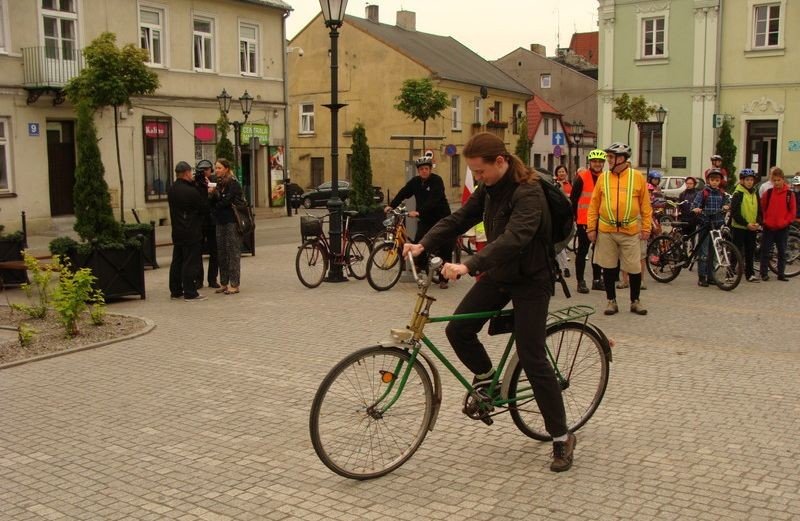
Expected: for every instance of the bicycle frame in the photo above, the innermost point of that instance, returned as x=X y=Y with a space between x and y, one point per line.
x=326 y=245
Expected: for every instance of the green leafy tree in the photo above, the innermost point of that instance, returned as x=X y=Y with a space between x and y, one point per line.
x=523 y=150
x=727 y=149
x=94 y=218
x=421 y=102
x=224 y=148
x=111 y=77
x=632 y=110
x=361 y=191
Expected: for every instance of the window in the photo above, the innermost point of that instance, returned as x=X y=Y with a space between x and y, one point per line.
x=653 y=34
x=248 y=49
x=478 y=110
x=157 y=157
x=546 y=126
x=205 y=141
x=455 y=170
x=645 y=129
x=455 y=109
x=544 y=81
x=203 y=44
x=3 y=17
x=151 y=34
x=517 y=117
x=5 y=156
x=306 y=118
x=59 y=24
x=766 y=25
x=497 y=111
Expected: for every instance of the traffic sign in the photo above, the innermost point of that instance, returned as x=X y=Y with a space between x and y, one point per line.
x=557 y=151
x=559 y=139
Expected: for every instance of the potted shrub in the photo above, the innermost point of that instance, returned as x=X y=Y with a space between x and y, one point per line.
x=362 y=194
x=11 y=247
x=146 y=234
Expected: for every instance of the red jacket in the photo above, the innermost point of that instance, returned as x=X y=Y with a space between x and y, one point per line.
x=781 y=210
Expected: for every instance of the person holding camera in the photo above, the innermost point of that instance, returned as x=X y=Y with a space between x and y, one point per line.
x=204 y=179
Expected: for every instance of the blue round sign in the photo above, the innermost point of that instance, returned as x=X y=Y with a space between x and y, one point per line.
x=450 y=150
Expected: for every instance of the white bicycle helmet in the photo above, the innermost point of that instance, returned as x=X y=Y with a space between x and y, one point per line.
x=619 y=149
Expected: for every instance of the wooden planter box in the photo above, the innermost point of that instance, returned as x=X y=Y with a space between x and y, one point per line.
x=148 y=244
x=120 y=273
x=11 y=250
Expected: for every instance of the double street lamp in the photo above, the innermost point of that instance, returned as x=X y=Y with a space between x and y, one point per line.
x=333 y=13
x=246 y=101
x=661 y=115
x=577 y=136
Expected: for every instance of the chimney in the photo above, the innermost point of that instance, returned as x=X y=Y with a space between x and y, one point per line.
x=407 y=20
x=372 y=13
x=539 y=49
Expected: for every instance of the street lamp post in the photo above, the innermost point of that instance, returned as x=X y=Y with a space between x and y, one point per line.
x=577 y=137
x=333 y=12
x=246 y=101
x=661 y=115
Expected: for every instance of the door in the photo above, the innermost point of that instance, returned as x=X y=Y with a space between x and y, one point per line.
x=246 y=177
x=317 y=171
x=61 y=166
x=762 y=149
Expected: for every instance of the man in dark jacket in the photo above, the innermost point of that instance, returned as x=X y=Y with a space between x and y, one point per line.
x=187 y=207
x=203 y=180
x=517 y=267
x=427 y=189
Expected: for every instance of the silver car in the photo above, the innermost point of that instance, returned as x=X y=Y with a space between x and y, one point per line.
x=673 y=186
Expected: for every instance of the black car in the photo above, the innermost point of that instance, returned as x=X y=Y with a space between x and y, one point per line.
x=319 y=196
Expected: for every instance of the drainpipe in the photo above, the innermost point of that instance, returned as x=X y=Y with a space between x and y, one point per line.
x=286 y=177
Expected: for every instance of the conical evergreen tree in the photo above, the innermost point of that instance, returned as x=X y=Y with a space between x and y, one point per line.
x=727 y=149
x=523 y=149
x=361 y=191
x=94 y=218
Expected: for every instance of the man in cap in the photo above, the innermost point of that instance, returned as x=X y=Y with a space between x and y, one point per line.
x=187 y=207
x=205 y=179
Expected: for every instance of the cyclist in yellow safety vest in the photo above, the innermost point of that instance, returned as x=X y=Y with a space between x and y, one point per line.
x=619 y=217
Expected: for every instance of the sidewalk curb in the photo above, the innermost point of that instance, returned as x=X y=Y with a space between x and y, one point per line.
x=149 y=326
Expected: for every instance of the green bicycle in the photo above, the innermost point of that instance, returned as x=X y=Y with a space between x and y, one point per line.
x=374 y=408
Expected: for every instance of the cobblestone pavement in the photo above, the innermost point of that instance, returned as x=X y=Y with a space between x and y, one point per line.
x=206 y=418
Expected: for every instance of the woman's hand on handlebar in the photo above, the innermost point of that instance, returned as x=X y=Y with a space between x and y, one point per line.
x=414 y=249
x=452 y=271
x=413 y=213
x=387 y=209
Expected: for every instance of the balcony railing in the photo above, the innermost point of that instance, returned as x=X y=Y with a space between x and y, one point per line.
x=50 y=67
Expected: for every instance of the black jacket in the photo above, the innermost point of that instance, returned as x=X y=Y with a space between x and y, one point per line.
x=431 y=200
x=187 y=207
x=222 y=199
x=201 y=183
x=518 y=231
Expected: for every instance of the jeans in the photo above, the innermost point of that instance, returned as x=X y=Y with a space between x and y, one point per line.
x=705 y=256
x=770 y=238
x=530 y=317
x=184 y=268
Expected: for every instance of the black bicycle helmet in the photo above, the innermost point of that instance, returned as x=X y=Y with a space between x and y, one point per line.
x=713 y=172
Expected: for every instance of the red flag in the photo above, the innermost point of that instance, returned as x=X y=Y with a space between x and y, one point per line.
x=469 y=187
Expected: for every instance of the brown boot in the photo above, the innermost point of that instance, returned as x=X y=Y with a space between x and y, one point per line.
x=562 y=453
x=611 y=308
x=638 y=308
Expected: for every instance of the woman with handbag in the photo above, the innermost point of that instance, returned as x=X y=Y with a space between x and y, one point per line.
x=229 y=241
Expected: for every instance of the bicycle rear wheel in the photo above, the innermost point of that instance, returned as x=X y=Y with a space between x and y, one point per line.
x=356 y=256
x=311 y=263
x=727 y=271
x=664 y=258
x=584 y=368
x=792 y=268
x=351 y=432
x=384 y=266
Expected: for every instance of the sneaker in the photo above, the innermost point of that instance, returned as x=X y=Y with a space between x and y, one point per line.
x=752 y=278
x=638 y=308
x=563 y=452
x=566 y=273
x=764 y=277
x=611 y=308
x=598 y=285
x=196 y=298
x=703 y=283
x=221 y=289
x=582 y=287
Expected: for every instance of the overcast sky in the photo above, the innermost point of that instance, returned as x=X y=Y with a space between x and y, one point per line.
x=490 y=28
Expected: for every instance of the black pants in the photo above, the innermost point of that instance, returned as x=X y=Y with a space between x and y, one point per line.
x=580 y=255
x=530 y=317
x=209 y=244
x=186 y=262
x=777 y=238
x=745 y=242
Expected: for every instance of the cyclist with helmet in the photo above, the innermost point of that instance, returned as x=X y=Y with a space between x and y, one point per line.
x=746 y=219
x=427 y=189
x=205 y=180
x=709 y=205
x=716 y=162
x=620 y=216
x=580 y=196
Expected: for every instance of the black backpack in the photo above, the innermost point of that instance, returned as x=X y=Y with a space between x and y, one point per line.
x=561 y=216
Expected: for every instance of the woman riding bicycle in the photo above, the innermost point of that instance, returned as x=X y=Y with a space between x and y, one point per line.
x=516 y=267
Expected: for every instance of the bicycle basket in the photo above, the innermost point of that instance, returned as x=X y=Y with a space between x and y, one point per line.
x=310 y=226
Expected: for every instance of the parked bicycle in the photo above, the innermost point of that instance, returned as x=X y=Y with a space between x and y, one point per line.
x=667 y=255
x=314 y=254
x=374 y=408
x=385 y=263
x=792 y=268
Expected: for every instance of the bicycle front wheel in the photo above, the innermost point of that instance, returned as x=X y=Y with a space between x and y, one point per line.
x=364 y=422
x=356 y=256
x=583 y=370
x=664 y=258
x=728 y=266
x=311 y=263
x=384 y=266
x=792 y=266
